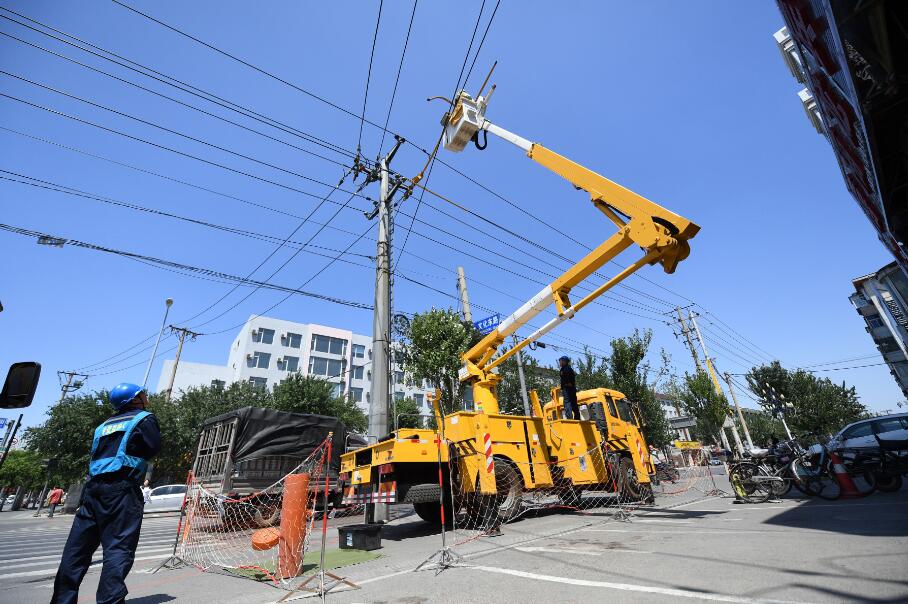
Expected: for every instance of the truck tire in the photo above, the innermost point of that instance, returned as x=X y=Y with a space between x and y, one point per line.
x=430 y=511
x=509 y=484
x=627 y=475
x=422 y=493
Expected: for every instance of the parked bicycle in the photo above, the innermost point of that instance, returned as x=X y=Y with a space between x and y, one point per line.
x=887 y=462
x=765 y=473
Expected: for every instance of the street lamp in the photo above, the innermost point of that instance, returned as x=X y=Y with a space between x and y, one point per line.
x=168 y=303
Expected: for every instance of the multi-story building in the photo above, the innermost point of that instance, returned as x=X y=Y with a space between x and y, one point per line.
x=267 y=350
x=849 y=55
x=880 y=298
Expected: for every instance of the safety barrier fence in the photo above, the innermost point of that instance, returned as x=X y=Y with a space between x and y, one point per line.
x=279 y=535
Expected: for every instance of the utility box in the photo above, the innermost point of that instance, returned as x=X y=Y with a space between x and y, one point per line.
x=359 y=536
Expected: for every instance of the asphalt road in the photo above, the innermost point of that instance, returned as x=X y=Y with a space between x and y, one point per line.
x=697 y=550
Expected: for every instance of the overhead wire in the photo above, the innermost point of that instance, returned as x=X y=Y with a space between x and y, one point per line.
x=362 y=121
x=400 y=67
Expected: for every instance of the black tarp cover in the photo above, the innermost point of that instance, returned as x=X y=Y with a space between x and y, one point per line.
x=264 y=432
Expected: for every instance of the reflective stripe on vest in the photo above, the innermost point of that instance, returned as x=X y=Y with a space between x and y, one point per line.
x=107 y=465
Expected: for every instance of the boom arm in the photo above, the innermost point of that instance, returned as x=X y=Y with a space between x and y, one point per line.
x=662 y=234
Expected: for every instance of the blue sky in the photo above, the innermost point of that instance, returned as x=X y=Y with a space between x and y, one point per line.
x=689 y=104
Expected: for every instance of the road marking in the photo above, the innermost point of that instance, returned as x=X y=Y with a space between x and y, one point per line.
x=50 y=572
x=94 y=561
x=582 y=552
x=701 y=532
x=660 y=520
x=57 y=556
x=678 y=593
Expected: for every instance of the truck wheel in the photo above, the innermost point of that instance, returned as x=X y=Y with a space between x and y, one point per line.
x=509 y=484
x=430 y=511
x=630 y=486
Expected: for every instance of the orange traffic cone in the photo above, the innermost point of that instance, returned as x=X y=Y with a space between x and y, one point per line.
x=849 y=491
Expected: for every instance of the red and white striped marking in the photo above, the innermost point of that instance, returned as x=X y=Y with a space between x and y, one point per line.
x=640 y=450
x=487 y=443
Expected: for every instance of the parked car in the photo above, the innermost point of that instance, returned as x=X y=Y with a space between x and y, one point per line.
x=166 y=498
x=9 y=500
x=861 y=433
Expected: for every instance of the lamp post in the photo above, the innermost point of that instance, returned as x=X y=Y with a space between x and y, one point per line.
x=167 y=303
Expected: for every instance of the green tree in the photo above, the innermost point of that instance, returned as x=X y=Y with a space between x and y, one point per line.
x=627 y=373
x=538 y=378
x=308 y=394
x=23 y=468
x=699 y=399
x=66 y=435
x=592 y=371
x=816 y=404
x=432 y=349
x=408 y=414
x=762 y=427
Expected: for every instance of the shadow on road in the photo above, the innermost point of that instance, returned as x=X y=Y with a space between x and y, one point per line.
x=881 y=515
x=152 y=599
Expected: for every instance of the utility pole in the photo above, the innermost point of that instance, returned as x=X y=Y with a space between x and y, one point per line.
x=690 y=343
x=523 y=384
x=734 y=397
x=72 y=384
x=464 y=296
x=173 y=374
x=380 y=389
x=154 y=352
x=714 y=377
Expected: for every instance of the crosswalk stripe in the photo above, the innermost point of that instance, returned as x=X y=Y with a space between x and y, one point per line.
x=142 y=545
x=96 y=560
x=53 y=571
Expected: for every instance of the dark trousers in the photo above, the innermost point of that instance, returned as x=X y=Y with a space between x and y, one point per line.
x=53 y=507
x=110 y=514
x=571 y=408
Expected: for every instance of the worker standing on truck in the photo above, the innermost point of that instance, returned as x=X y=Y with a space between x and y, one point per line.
x=110 y=512
x=569 y=389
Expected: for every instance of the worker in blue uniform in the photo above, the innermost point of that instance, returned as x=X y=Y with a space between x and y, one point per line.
x=110 y=511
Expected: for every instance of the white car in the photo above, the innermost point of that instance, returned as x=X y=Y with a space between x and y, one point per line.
x=861 y=433
x=166 y=498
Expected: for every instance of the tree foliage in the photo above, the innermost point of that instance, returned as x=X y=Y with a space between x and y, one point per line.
x=817 y=404
x=699 y=399
x=431 y=350
x=537 y=377
x=763 y=427
x=67 y=433
x=23 y=468
x=408 y=414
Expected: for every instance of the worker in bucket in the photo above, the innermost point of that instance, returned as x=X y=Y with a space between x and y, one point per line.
x=569 y=389
x=110 y=512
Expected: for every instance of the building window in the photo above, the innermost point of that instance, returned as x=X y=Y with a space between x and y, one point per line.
x=418 y=398
x=219 y=384
x=259 y=359
x=292 y=340
x=265 y=336
x=291 y=363
x=356 y=394
x=875 y=322
x=359 y=351
x=338 y=390
x=328 y=344
x=258 y=382
x=398 y=377
x=398 y=396
x=358 y=372
x=326 y=367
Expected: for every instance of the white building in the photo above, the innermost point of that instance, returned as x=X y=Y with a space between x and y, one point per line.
x=268 y=350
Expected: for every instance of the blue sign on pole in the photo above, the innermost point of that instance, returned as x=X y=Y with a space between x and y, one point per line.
x=488 y=324
x=3 y=421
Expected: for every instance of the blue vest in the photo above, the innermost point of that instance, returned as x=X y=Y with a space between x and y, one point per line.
x=107 y=465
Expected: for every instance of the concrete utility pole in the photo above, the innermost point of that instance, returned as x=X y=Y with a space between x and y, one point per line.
x=173 y=374
x=523 y=384
x=734 y=397
x=690 y=343
x=715 y=378
x=154 y=352
x=380 y=391
x=464 y=296
x=72 y=384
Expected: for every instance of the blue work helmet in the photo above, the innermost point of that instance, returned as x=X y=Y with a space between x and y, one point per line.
x=123 y=394
x=565 y=358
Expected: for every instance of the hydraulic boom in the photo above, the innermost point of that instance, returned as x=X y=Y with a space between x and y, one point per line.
x=662 y=235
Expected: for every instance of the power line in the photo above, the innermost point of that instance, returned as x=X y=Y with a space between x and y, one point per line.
x=58 y=188
x=466 y=80
x=860 y=358
x=179 y=102
x=181 y=266
x=173 y=82
x=362 y=120
x=400 y=67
